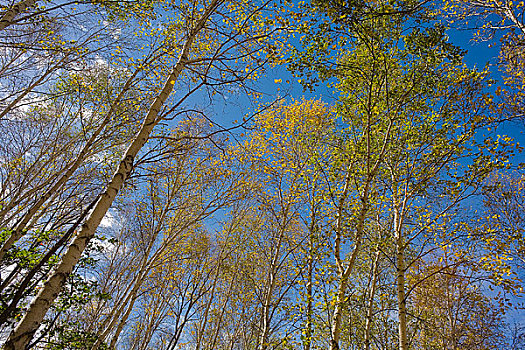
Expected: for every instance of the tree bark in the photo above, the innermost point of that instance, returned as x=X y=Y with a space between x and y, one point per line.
x=19 y=294
x=370 y=307
x=337 y=316
x=401 y=299
x=400 y=270
x=267 y=303
x=309 y=284
x=11 y=13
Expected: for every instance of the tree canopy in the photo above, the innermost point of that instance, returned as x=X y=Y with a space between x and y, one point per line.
x=234 y=174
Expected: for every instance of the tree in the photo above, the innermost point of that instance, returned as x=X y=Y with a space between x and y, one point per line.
x=281 y=152
x=502 y=21
x=456 y=312
x=504 y=205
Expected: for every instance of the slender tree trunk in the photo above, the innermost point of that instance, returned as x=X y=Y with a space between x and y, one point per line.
x=265 y=326
x=337 y=316
x=129 y=297
x=401 y=299
x=19 y=198
x=309 y=307
x=335 y=331
x=344 y=272
x=370 y=307
x=309 y=284
x=23 y=333
x=7 y=17
x=400 y=275
x=227 y=297
x=120 y=327
x=19 y=294
x=128 y=302
x=204 y=321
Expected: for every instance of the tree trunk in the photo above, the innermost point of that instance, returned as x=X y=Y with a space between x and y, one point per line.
x=344 y=272
x=403 y=343
x=120 y=327
x=11 y=13
x=227 y=297
x=19 y=294
x=31 y=87
x=204 y=320
x=309 y=285
x=337 y=316
x=265 y=326
x=370 y=308
x=400 y=277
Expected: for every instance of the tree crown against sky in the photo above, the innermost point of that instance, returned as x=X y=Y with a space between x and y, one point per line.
x=167 y=181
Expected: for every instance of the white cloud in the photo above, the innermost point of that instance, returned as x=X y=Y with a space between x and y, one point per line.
x=108 y=220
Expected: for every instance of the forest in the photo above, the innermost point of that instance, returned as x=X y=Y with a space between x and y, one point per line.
x=262 y=174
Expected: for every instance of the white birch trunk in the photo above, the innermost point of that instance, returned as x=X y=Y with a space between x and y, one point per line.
x=370 y=307
x=344 y=272
x=400 y=269
x=402 y=310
